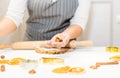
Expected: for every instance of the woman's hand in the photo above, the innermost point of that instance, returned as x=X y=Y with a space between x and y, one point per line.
x=59 y=40
x=72 y=32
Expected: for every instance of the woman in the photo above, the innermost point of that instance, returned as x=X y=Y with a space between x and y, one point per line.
x=48 y=19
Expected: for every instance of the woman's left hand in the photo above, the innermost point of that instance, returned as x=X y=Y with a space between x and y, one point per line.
x=59 y=40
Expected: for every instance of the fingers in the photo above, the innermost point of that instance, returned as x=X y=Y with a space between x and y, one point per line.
x=59 y=40
x=56 y=44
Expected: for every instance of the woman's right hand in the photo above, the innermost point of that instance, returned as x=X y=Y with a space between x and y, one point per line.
x=59 y=40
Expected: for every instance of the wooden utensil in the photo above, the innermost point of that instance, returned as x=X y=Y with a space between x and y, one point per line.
x=27 y=45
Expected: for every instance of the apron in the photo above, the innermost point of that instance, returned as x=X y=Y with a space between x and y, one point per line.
x=47 y=18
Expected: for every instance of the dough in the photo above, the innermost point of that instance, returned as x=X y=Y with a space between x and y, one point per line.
x=52 y=50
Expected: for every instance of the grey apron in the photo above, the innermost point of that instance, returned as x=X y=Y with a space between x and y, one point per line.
x=48 y=18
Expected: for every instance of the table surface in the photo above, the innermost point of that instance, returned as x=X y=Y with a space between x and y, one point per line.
x=80 y=57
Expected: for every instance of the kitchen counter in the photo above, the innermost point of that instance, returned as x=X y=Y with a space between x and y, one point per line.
x=81 y=57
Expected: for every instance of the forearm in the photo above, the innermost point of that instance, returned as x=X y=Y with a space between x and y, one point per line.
x=73 y=31
x=7 y=26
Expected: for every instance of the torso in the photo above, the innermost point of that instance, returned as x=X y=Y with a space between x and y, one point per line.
x=49 y=18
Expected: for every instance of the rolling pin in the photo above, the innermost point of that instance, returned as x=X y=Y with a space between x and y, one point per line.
x=28 y=45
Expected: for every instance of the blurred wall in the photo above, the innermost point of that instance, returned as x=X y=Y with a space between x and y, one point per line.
x=103 y=26
x=116 y=22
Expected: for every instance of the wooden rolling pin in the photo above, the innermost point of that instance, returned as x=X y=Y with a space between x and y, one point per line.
x=26 y=45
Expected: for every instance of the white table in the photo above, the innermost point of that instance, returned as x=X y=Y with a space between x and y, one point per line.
x=80 y=57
